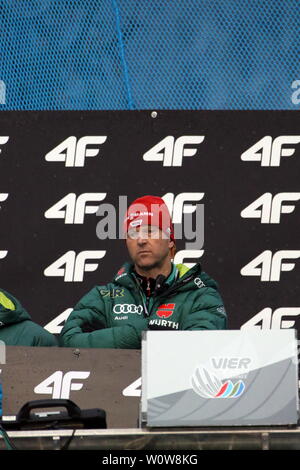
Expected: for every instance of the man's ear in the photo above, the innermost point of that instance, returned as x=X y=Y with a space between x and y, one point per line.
x=172 y=247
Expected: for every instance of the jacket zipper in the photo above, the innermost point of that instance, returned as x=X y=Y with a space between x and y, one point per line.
x=144 y=300
x=172 y=290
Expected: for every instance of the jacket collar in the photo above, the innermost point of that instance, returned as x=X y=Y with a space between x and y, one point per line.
x=127 y=272
x=125 y=275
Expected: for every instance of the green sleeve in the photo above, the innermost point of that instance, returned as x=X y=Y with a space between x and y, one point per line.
x=87 y=327
x=208 y=313
x=126 y=337
x=44 y=338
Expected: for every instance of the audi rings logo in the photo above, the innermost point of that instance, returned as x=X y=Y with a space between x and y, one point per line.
x=128 y=308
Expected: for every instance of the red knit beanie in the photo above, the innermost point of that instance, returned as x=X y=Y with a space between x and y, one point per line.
x=149 y=210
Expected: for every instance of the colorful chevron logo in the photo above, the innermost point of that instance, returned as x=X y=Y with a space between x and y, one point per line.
x=228 y=390
x=208 y=385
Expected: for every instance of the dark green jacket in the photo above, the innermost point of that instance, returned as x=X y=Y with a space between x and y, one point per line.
x=114 y=316
x=16 y=326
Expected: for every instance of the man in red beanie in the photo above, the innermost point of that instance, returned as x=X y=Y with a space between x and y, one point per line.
x=151 y=292
x=150 y=236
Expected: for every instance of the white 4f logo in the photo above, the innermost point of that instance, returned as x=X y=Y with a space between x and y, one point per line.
x=178 y=206
x=269 y=152
x=268 y=320
x=171 y=151
x=73 y=208
x=3 y=197
x=3 y=253
x=59 y=385
x=72 y=267
x=56 y=325
x=3 y=141
x=134 y=389
x=73 y=153
x=269 y=208
x=269 y=266
x=182 y=255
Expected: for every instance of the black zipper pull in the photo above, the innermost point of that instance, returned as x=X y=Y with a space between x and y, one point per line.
x=148 y=289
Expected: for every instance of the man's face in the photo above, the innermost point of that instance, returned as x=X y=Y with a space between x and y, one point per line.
x=148 y=247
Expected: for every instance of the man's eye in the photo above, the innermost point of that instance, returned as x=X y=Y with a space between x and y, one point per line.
x=154 y=233
x=132 y=234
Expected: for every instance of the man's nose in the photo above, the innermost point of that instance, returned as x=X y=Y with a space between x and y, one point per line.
x=142 y=238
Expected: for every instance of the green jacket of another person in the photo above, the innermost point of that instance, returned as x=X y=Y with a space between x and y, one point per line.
x=16 y=326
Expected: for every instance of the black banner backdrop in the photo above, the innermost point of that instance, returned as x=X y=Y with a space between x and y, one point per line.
x=57 y=167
